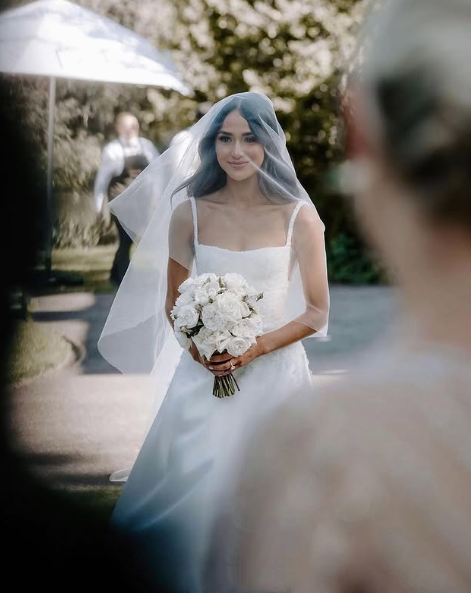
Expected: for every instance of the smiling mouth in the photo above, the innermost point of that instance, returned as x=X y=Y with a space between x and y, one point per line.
x=239 y=164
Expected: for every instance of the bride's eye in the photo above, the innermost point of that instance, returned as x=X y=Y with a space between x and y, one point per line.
x=224 y=139
x=250 y=139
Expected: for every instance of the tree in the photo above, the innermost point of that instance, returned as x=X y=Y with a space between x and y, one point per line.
x=293 y=50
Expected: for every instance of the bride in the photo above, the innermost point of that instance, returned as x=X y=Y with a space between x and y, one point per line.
x=233 y=204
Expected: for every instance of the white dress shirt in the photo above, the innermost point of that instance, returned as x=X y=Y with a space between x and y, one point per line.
x=112 y=163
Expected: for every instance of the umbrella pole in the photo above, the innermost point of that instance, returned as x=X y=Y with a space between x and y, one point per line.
x=50 y=151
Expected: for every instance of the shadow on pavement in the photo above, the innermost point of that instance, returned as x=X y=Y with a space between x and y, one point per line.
x=81 y=321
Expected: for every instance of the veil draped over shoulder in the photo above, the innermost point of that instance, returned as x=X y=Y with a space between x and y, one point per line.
x=137 y=337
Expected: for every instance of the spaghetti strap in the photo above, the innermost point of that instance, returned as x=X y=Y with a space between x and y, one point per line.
x=195 y=220
x=292 y=221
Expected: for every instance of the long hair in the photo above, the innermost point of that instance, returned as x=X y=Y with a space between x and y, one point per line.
x=276 y=179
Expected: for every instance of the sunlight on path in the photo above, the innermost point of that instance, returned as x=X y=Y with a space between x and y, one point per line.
x=76 y=426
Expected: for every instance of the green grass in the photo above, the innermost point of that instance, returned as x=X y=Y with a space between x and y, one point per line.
x=93 y=263
x=97 y=501
x=35 y=349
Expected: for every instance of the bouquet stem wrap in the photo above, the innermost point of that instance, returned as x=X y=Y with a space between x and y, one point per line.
x=225 y=386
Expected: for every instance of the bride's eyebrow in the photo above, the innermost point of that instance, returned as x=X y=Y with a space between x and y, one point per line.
x=230 y=134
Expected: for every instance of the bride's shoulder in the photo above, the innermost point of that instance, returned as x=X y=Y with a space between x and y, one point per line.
x=307 y=225
x=307 y=214
x=211 y=199
x=182 y=217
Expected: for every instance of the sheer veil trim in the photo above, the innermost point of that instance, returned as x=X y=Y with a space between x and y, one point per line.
x=292 y=220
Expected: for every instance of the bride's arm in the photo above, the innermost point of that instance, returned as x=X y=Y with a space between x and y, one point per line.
x=180 y=251
x=180 y=261
x=309 y=245
x=176 y=274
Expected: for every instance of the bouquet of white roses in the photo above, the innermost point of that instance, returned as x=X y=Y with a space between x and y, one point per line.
x=219 y=314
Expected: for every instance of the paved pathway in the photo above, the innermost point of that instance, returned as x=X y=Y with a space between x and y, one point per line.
x=75 y=426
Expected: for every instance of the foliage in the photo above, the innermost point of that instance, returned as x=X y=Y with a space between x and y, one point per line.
x=93 y=264
x=75 y=222
x=35 y=349
x=293 y=50
x=349 y=263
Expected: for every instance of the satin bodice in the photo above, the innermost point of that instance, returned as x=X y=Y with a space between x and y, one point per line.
x=267 y=269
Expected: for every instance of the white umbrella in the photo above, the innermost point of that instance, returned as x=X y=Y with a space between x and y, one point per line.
x=58 y=39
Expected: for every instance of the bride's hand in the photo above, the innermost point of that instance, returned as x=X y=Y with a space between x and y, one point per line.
x=219 y=364
x=225 y=364
x=216 y=365
x=193 y=350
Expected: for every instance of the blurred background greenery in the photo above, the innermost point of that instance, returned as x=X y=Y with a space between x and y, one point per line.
x=295 y=51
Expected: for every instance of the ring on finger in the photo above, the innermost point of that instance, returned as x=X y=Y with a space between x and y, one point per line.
x=232 y=366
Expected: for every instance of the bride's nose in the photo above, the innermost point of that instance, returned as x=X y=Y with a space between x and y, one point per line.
x=237 y=151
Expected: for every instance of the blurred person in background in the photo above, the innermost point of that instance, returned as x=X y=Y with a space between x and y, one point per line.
x=368 y=489
x=122 y=160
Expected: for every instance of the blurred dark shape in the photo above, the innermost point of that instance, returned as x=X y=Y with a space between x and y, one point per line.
x=49 y=540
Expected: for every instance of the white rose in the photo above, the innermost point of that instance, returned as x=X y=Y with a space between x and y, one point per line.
x=231 y=306
x=222 y=339
x=212 y=288
x=232 y=280
x=182 y=338
x=243 y=305
x=206 y=293
x=203 y=341
x=217 y=340
x=203 y=278
x=246 y=328
x=187 y=317
x=212 y=317
x=237 y=292
x=185 y=299
x=244 y=308
x=238 y=346
x=184 y=286
x=201 y=296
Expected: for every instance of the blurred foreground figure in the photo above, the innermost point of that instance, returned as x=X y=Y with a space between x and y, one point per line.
x=122 y=161
x=55 y=542
x=369 y=490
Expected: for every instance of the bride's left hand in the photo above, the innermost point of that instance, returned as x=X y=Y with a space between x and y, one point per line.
x=237 y=362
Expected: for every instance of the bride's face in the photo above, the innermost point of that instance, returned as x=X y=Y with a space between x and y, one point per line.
x=237 y=150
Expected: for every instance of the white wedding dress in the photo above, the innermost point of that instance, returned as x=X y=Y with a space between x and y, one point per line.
x=184 y=474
